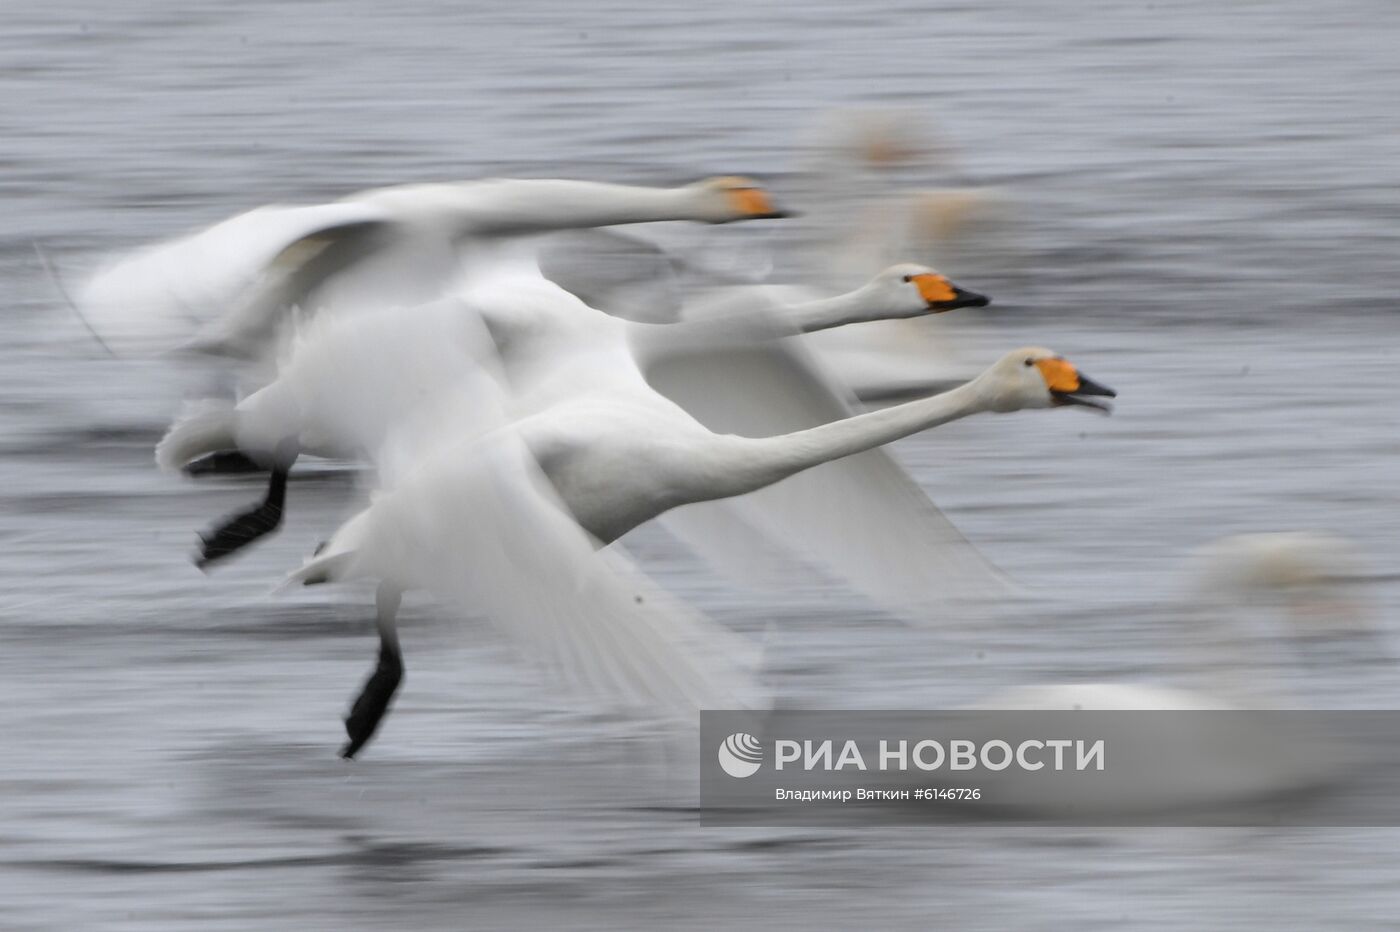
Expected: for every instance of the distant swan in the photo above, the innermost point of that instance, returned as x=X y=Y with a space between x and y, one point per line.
x=1197 y=760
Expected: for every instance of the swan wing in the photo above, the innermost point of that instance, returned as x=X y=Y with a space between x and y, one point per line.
x=863 y=518
x=157 y=298
x=381 y=384
x=480 y=526
x=623 y=274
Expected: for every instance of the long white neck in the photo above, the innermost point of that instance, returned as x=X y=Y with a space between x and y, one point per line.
x=853 y=307
x=755 y=463
x=527 y=205
x=737 y=326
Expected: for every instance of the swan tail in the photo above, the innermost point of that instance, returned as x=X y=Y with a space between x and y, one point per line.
x=319 y=569
x=209 y=427
x=334 y=559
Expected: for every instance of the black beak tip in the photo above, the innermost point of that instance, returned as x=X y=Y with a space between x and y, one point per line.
x=964 y=298
x=1090 y=387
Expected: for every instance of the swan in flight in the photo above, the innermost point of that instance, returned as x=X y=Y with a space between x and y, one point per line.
x=224 y=289
x=577 y=472
x=350 y=379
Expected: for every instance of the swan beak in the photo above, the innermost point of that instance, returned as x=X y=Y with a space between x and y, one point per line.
x=964 y=298
x=1087 y=386
x=755 y=204
x=942 y=295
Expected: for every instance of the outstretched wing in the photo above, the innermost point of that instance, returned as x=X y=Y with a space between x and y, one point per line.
x=480 y=526
x=862 y=518
x=159 y=298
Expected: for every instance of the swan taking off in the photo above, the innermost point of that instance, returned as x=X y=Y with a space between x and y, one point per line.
x=225 y=289
x=350 y=380
x=579 y=473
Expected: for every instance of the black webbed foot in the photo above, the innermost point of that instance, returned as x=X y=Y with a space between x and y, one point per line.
x=240 y=530
x=373 y=700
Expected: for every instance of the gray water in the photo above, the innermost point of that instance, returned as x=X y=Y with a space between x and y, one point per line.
x=1204 y=216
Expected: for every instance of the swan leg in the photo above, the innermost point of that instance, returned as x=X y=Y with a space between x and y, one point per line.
x=241 y=529
x=222 y=463
x=378 y=691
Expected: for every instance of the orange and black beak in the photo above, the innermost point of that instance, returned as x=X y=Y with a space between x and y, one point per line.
x=964 y=298
x=942 y=295
x=1069 y=386
x=755 y=204
x=1087 y=386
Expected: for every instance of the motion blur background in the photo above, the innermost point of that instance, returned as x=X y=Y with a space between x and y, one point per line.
x=1197 y=203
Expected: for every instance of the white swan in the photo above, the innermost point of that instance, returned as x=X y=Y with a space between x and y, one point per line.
x=1300 y=578
x=597 y=464
x=350 y=380
x=1228 y=757
x=223 y=289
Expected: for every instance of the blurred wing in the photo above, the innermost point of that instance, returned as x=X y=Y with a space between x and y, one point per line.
x=482 y=527
x=624 y=275
x=890 y=360
x=158 y=298
x=390 y=384
x=863 y=517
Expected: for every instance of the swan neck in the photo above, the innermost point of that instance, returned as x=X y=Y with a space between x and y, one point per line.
x=774 y=458
x=853 y=307
x=524 y=206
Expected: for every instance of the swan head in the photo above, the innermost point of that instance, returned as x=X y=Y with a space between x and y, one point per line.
x=725 y=200
x=910 y=290
x=1314 y=577
x=1035 y=377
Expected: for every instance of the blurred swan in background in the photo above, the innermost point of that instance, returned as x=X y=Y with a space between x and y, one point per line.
x=350 y=379
x=225 y=289
x=616 y=455
x=1306 y=580
x=866 y=201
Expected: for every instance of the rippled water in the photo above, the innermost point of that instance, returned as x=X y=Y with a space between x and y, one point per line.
x=1204 y=215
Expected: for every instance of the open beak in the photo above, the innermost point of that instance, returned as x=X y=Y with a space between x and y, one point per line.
x=1080 y=396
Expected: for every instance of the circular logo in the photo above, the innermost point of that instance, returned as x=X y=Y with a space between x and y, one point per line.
x=741 y=755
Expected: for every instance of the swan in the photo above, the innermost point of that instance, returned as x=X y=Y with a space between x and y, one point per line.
x=222 y=289
x=862 y=189
x=598 y=463
x=350 y=379
x=1305 y=579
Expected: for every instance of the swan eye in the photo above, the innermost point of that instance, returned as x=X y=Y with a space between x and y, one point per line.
x=1029 y=362
x=908 y=278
